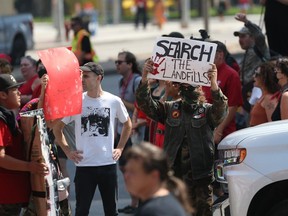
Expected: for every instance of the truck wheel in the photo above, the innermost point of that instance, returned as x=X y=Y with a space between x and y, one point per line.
x=280 y=209
x=18 y=50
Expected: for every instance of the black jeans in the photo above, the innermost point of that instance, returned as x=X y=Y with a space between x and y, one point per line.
x=86 y=181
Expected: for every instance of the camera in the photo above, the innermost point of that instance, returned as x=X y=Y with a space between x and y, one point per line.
x=204 y=35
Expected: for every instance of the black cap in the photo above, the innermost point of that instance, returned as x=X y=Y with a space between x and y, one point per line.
x=174 y=35
x=7 y=81
x=93 y=67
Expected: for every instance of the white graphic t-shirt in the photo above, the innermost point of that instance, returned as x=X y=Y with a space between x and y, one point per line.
x=94 y=128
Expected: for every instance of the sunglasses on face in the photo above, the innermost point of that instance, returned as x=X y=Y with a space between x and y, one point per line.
x=119 y=62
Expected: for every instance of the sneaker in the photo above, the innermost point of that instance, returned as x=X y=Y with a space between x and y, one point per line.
x=125 y=208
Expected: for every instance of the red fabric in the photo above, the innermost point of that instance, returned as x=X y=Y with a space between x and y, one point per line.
x=37 y=91
x=26 y=89
x=5 y=56
x=14 y=185
x=229 y=82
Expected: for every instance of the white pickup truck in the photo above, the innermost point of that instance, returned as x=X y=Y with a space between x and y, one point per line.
x=16 y=35
x=254 y=164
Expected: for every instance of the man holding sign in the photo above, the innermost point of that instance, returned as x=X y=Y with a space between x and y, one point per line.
x=189 y=127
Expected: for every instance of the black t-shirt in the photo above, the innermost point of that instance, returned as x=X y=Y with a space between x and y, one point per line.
x=160 y=206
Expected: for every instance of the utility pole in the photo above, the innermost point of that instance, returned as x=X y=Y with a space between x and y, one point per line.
x=104 y=12
x=205 y=12
x=58 y=18
x=185 y=13
x=116 y=11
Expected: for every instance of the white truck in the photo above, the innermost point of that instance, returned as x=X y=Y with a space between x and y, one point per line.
x=16 y=35
x=253 y=167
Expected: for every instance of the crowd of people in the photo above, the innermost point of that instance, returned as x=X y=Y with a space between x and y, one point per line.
x=169 y=168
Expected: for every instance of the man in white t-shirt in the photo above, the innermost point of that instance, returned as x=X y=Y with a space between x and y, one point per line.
x=95 y=156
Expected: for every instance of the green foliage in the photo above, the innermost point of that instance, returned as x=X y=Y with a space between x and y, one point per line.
x=172 y=15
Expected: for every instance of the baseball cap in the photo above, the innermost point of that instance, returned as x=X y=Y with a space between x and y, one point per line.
x=174 y=35
x=7 y=81
x=243 y=30
x=93 y=67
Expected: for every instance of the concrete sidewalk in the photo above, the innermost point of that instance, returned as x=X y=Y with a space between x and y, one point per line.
x=124 y=36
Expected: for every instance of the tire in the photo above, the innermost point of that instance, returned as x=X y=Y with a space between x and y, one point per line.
x=18 y=49
x=279 y=209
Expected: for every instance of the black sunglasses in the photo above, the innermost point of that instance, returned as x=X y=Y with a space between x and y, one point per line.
x=119 y=62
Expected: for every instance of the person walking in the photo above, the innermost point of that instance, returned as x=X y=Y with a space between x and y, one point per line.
x=95 y=156
x=141 y=11
x=149 y=177
x=81 y=44
x=14 y=169
x=188 y=137
x=159 y=13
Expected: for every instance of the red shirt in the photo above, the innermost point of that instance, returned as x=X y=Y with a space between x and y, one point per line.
x=14 y=185
x=26 y=89
x=229 y=82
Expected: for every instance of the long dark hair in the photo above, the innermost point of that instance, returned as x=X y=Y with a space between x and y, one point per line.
x=268 y=76
x=153 y=158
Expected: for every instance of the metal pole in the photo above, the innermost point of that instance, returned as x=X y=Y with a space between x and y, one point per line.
x=104 y=12
x=116 y=11
x=61 y=19
x=58 y=19
x=205 y=12
x=185 y=13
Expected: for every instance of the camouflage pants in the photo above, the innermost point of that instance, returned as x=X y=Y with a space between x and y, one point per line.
x=200 y=191
x=10 y=209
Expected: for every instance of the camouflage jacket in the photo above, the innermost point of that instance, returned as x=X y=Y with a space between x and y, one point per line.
x=195 y=123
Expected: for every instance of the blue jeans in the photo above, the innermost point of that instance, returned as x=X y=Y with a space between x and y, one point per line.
x=86 y=181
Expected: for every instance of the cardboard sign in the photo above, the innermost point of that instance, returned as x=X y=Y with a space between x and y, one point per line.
x=63 y=96
x=182 y=60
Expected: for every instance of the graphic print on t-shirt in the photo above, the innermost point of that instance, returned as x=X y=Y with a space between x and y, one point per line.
x=95 y=121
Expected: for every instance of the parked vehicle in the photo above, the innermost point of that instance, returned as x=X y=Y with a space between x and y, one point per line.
x=254 y=165
x=16 y=35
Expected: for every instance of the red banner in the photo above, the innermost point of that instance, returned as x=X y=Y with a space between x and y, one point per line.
x=63 y=96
